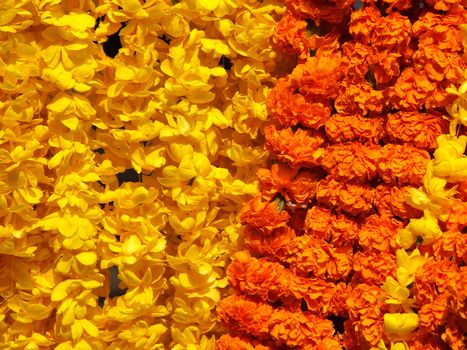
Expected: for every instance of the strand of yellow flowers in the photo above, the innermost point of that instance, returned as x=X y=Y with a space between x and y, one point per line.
x=435 y=200
x=179 y=107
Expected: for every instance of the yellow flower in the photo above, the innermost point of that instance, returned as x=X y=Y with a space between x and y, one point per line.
x=458 y=110
x=424 y=230
x=394 y=346
x=433 y=196
x=398 y=326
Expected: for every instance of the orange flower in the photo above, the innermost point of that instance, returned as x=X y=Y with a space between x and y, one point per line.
x=358 y=97
x=385 y=66
x=317 y=78
x=290 y=35
x=334 y=228
x=343 y=128
x=457 y=289
x=441 y=30
x=417 y=129
x=356 y=58
x=230 y=342
x=309 y=256
x=462 y=191
x=391 y=32
x=431 y=279
x=271 y=281
x=351 y=161
x=433 y=315
x=451 y=245
x=426 y=341
x=353 y=199
x=294 y=185
x=440 y=65
x=372 y=267
x=402 y=165
x=455 y=334
x=443 y=5
x=263 y=216
x=277 y=240
x=333 y=11
x=289 y=107
x=379 y=233
x=304 y=97
x=259 y=319
x=411 y=90
x=301 y=148
x=242 y=314
x=391 y=200
x=457 y=219
x=364 y=305
x=299 y=329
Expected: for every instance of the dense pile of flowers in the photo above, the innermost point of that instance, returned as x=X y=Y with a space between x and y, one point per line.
x=357 y=239
x=129 y=162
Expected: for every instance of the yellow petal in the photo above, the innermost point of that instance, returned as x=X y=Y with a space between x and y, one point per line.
x=87 y=258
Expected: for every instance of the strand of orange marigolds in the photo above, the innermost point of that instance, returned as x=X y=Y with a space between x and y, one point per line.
x=355 y=122
x=428 y=278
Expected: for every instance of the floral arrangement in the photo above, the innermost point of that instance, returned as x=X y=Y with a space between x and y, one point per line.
x=357 y=239
x=129 y=136
x=233 y=174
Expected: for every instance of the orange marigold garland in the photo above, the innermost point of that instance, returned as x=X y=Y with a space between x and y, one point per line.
x=333 y=239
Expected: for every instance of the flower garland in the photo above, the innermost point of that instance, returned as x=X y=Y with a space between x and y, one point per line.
x=354 y=127
x=127 y=142
x=436 y=279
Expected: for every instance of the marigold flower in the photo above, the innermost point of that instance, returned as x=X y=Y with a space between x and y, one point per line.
x=379 y=233
x=358 y=97
x=284 y=327
x=417 y=129
x=454 y=334
x=440 y=65
x=289 y=107
x=294 y=185
x=391 y=200
x=343 y=128
x=385 y=33
x=289 y=34
x=433 y=315
x=230 y=342
x=412 y=91
x=334 y=228
x=372 y=267
x=441 y=30
x=270 y=245
x=264 y=216
x=299 y=329
x=271 y=282
x=402 y=164
x=457 y=292
x=353 y=199
x=432 y=278
x=451 y=245
x=307 y=256
x=365 y=312
x=304 y=97
x=421 y=341
x=332 y=11
x=443 y=5
x=352 y=162
x=301 y=148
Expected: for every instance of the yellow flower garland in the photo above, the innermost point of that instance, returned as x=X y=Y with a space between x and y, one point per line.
x=175 y=114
